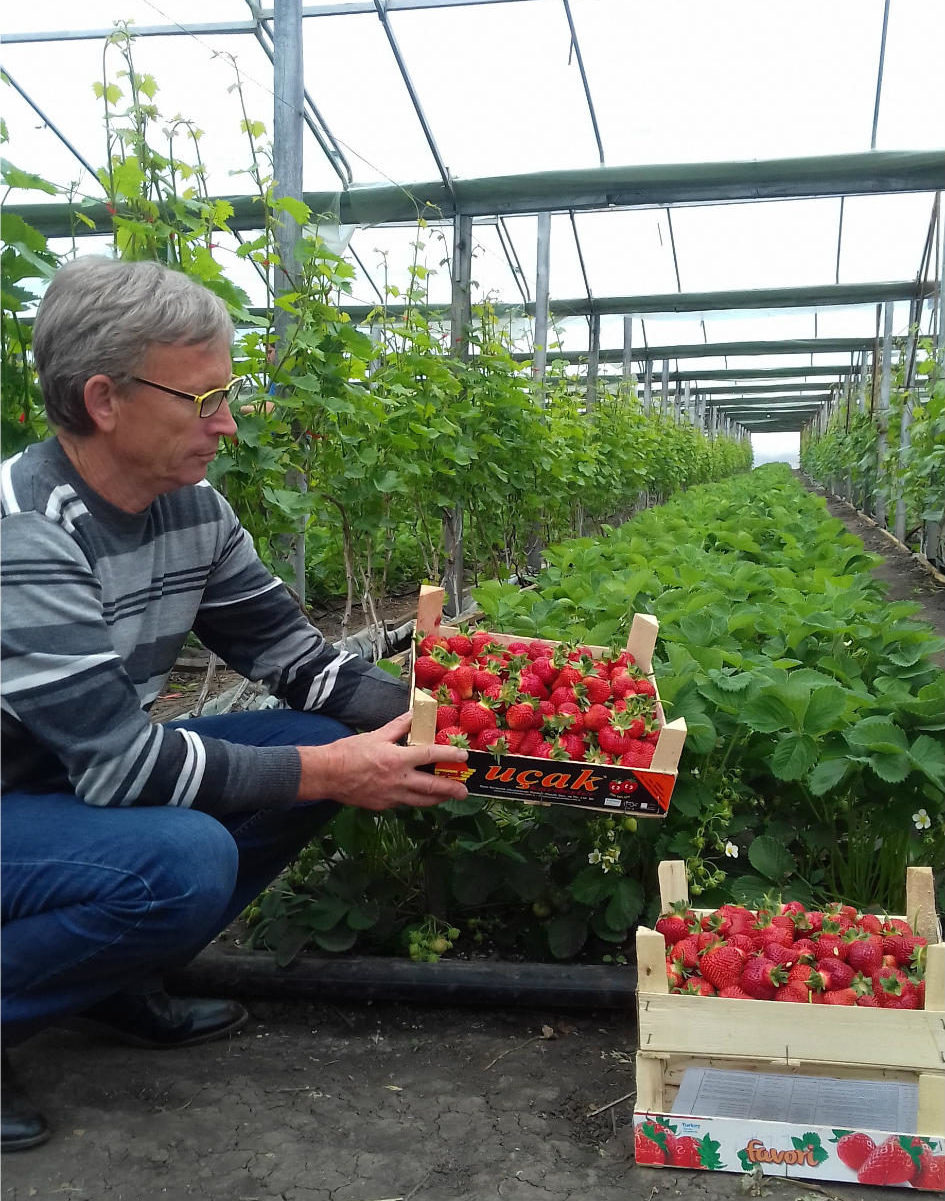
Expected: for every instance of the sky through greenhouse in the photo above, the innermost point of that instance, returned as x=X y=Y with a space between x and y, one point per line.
x=517 y=86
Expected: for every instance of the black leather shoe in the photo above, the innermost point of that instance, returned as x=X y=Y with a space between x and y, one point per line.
x=156 y=1020
x=23 y=1126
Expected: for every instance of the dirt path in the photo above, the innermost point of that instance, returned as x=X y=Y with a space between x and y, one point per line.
x=358 y=1103
x=375 y=1102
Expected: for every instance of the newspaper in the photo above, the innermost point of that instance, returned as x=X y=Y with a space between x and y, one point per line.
x=806 y=1100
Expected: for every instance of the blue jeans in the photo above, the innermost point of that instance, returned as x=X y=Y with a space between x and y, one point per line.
x=95 y=900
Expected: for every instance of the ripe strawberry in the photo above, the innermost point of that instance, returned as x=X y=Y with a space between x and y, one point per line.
x=494 y=740
x=531 y=685
x=480 y=640
x=868 y=1001
x=569 y=709
x=735 y=992
x=447 y=715
x=761 y=978
x=543 y=749
x=840 y=996
x=722 y=965
x=931 y=1174
x=854 y=1149
x=674 y=973
x=430 y=641
x=686 y=952
x=775 y=952
x=428 y=672
x=645 y=687
x=460 y=644
x=639 y=754
x=832 y=944
x=865 y=953
x=697 y=987
x=743 y=941
x=544 y=670
x=596 y=717
x=685 y=1152
x=596 y=689
x=517 y=648
x=452 y=736
x=890 y=1163
x=890 y=983
x=833 y=973
x=530 y=739
x=573 y=745
x=805 y=950
x=676 y=925
x=907 y=1000
x=460 y=679
x=475 y=716
x=902 y=947
x=539 y=650
x=792 y=991
x=871 y=923
x=523 y=715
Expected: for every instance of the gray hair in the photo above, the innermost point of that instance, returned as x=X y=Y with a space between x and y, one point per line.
x=100 y=316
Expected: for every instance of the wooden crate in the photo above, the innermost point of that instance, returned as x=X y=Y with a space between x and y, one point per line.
x=678 y=1032
x=643 y=792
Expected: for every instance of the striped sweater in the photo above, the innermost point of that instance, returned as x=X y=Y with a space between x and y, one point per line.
x=96 y=604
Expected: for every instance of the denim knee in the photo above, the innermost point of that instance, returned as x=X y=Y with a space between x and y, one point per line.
x=190 y=871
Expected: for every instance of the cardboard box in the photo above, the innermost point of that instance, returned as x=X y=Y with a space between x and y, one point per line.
x=643 y=792
x=862 y=1047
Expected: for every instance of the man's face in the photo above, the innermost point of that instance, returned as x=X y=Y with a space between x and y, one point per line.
x=159 y=439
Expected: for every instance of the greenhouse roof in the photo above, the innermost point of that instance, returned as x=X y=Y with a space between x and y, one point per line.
x=748 y=183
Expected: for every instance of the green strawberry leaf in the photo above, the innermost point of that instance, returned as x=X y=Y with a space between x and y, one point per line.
x=839 y=1134
x=709 y=1154
x=747 y=1165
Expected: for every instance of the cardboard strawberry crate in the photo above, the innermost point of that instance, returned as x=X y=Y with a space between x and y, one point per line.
x=844 y=1051
x=643 y=792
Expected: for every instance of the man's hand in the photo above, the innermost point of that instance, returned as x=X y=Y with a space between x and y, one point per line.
x=371 y=771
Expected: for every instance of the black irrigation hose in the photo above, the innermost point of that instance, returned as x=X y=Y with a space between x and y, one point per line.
x=448 y=982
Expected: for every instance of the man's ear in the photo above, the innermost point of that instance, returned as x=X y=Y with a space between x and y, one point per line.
x=101 y=402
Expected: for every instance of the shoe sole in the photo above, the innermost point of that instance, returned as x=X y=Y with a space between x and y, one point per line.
x=24 y=1144
x=90 y=1026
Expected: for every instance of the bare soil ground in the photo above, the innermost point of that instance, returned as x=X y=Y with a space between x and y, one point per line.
x=374 y=1102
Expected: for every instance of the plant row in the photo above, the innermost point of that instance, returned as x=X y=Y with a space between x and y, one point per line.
x=813 y=766
x=880 y=462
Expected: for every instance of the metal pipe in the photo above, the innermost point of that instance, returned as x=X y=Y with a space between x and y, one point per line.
x=287 y=167
x=541 y=300
x=879 y=74
x=42 y=116
x=587 y=87
x=380 y=8
x=872 y=172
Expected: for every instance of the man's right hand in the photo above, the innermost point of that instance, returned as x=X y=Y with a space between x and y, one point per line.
x=371 y=771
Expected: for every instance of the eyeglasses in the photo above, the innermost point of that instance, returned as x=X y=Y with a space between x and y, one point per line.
x=207 y=402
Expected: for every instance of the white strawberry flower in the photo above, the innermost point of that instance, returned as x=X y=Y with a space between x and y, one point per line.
x=594 y=857
x=731 y=850
x=922 y=820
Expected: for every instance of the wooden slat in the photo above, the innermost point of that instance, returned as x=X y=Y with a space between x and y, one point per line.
x=651 y=1097
x=935 y=979
x=674 y=886
x=777 y=1030
x=931 y=1116
x=651 y=962
x=423 y=726
x=920 y=903
x=641 y=641
x=670 y=745
x=429 y=609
